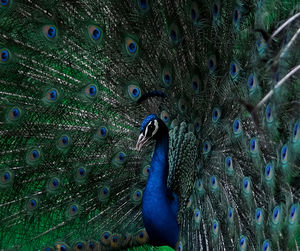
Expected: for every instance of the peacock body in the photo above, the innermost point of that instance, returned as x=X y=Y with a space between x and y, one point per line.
x=212 y=87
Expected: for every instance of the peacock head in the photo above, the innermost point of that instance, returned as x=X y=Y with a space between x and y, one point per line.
x=152 y=127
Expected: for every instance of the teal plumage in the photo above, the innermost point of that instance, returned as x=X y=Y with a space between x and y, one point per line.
x=77 y=78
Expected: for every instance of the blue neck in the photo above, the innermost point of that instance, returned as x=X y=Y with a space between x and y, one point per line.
x=159 y=216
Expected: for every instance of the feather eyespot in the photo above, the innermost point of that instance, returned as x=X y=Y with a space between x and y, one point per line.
x=142 y=236
x=269 y=173
x=206 y=147
x=52 y=95
x=196 y=84
x=91 y=91
x=53 y=184
x=164 y=116
x=61 y=246
x=212 y=64
x=194 y=12
x=266 y=246
x=50 y=31
x=197 y=215
x=229 y=165
x=4 y=2
x=293 y=214
x=102 y=132
x=136 y=196
x=246 y=187
x=80 y=245
x=174 y=34
x=182 y=105
x=64 y=142
x=104 y=193
x=243 y=243
x=131 y=46
x=276 y=215
x=5 y=56
x=237 y=127
x=252 y=83
x=213 y=183
x=296 y=132
x=105 y=238
x=236 y=17
x=166 y=76
x=33 y=156
x=6 y=178
x=258 y=216
x=134 y=91
x=284 y=154
x=14 y=114
x=95 y=33
x=253 y=146
x=234 y=70
x=216 y=114
x=215 y=227
x=32 y=204
x=73 y=210
x=269 y=114
x=230 y=214
x=199 y=185
x=216 y=9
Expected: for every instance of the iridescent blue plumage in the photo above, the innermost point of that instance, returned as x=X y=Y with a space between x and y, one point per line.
x=160 y=205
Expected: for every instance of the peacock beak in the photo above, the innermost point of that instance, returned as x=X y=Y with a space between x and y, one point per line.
x=141 y=141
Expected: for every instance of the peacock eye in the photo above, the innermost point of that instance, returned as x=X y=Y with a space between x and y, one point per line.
x=50 y=31
x=269 y=115
x=228 y=165
x=258 y=216
x=79 y=246
x=296 y=132
x=213 y=183
x=166 y=76
x=266 y=245
x=14 y=114
x=53 y=184
x=216 y=114
x=284 y=154
x=194 y=12
x=276 y=215
x=253 y=146
x=196 y=84
x=246 y=187
x=237 y=127
x=91 y=91
x=6 y=178
x=230 y=214
x=252 y=83
x=174 y=33
x=51 y=95
x=197 y=215
x=206 y=147
x=269 y=172
x=243 y=243
x=212 y=64
x=134 y=91
x=131 y=46
x=136 y=196
x=164 y=116
x=293 y=214
x=216 y=9
x=73 y=210
x=236 y=17
x=4 y=56
x=4 y=2
x=234 y=70
x=215 y=227
x=32 y=204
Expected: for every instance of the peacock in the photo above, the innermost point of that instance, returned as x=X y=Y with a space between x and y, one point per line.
x=149 y=125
